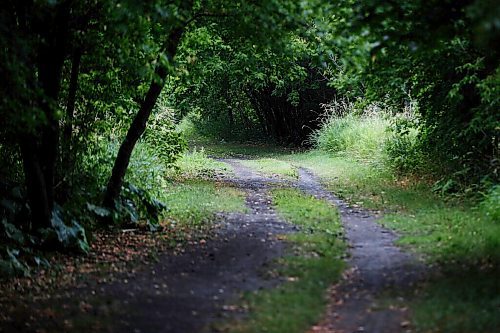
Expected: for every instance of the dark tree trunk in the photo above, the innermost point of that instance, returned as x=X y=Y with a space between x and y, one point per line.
x=35 y=183
x=40 y=149
x=231 y=117
x=139 y=123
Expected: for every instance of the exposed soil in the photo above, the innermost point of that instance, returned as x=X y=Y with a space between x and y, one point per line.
x=189 y=292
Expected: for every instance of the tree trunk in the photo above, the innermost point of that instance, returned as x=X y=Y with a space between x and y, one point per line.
x=35 y=183
x=40 y=149
x=138 y=125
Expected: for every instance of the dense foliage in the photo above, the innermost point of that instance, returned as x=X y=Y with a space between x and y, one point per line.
x=92 y=90
x=82 y=79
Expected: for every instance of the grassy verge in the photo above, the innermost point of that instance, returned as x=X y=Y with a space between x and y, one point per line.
x=194 y=193
x=369 y=185
x=196 y=164
x=462 y=238
x=298 y=303
x=272 y=167
x=194 y=202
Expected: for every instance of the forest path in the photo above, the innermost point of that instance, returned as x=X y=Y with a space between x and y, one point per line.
x=206 y=277
x=192 y=291
x=379 y=273
x=184 y=291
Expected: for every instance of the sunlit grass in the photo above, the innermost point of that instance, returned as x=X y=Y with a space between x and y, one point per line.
x=196 y=164
x=195 y=202
x=272 y=167
x=370 y=185
x=362 y=137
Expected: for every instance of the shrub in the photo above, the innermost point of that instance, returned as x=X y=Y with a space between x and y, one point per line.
x=403 y=151
x=163 y=136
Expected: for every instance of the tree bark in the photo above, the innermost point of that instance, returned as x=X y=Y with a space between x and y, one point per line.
x=138 y=125
x=40 y=148
x=35 y=183
x=51 y=62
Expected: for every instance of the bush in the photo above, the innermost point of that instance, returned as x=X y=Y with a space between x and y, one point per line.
x=402 y=148
x=164 y=137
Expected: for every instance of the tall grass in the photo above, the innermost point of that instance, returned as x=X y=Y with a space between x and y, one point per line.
x=350 y=132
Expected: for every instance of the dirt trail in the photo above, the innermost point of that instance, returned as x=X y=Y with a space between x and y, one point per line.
x=207 y=277
x=377 y=265
x=186 y=293
x=183 y=293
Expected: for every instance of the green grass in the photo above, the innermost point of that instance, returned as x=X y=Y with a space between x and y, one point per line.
x=229 y=149
x=370 y=185
x=299 y=303
x=195 y=202
x=193 y=194
x=462 y=237
x=449 y=234
x=362 y=137
x=465 y=242
x=196 y=164
x=272 y=167
x=465 y=300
